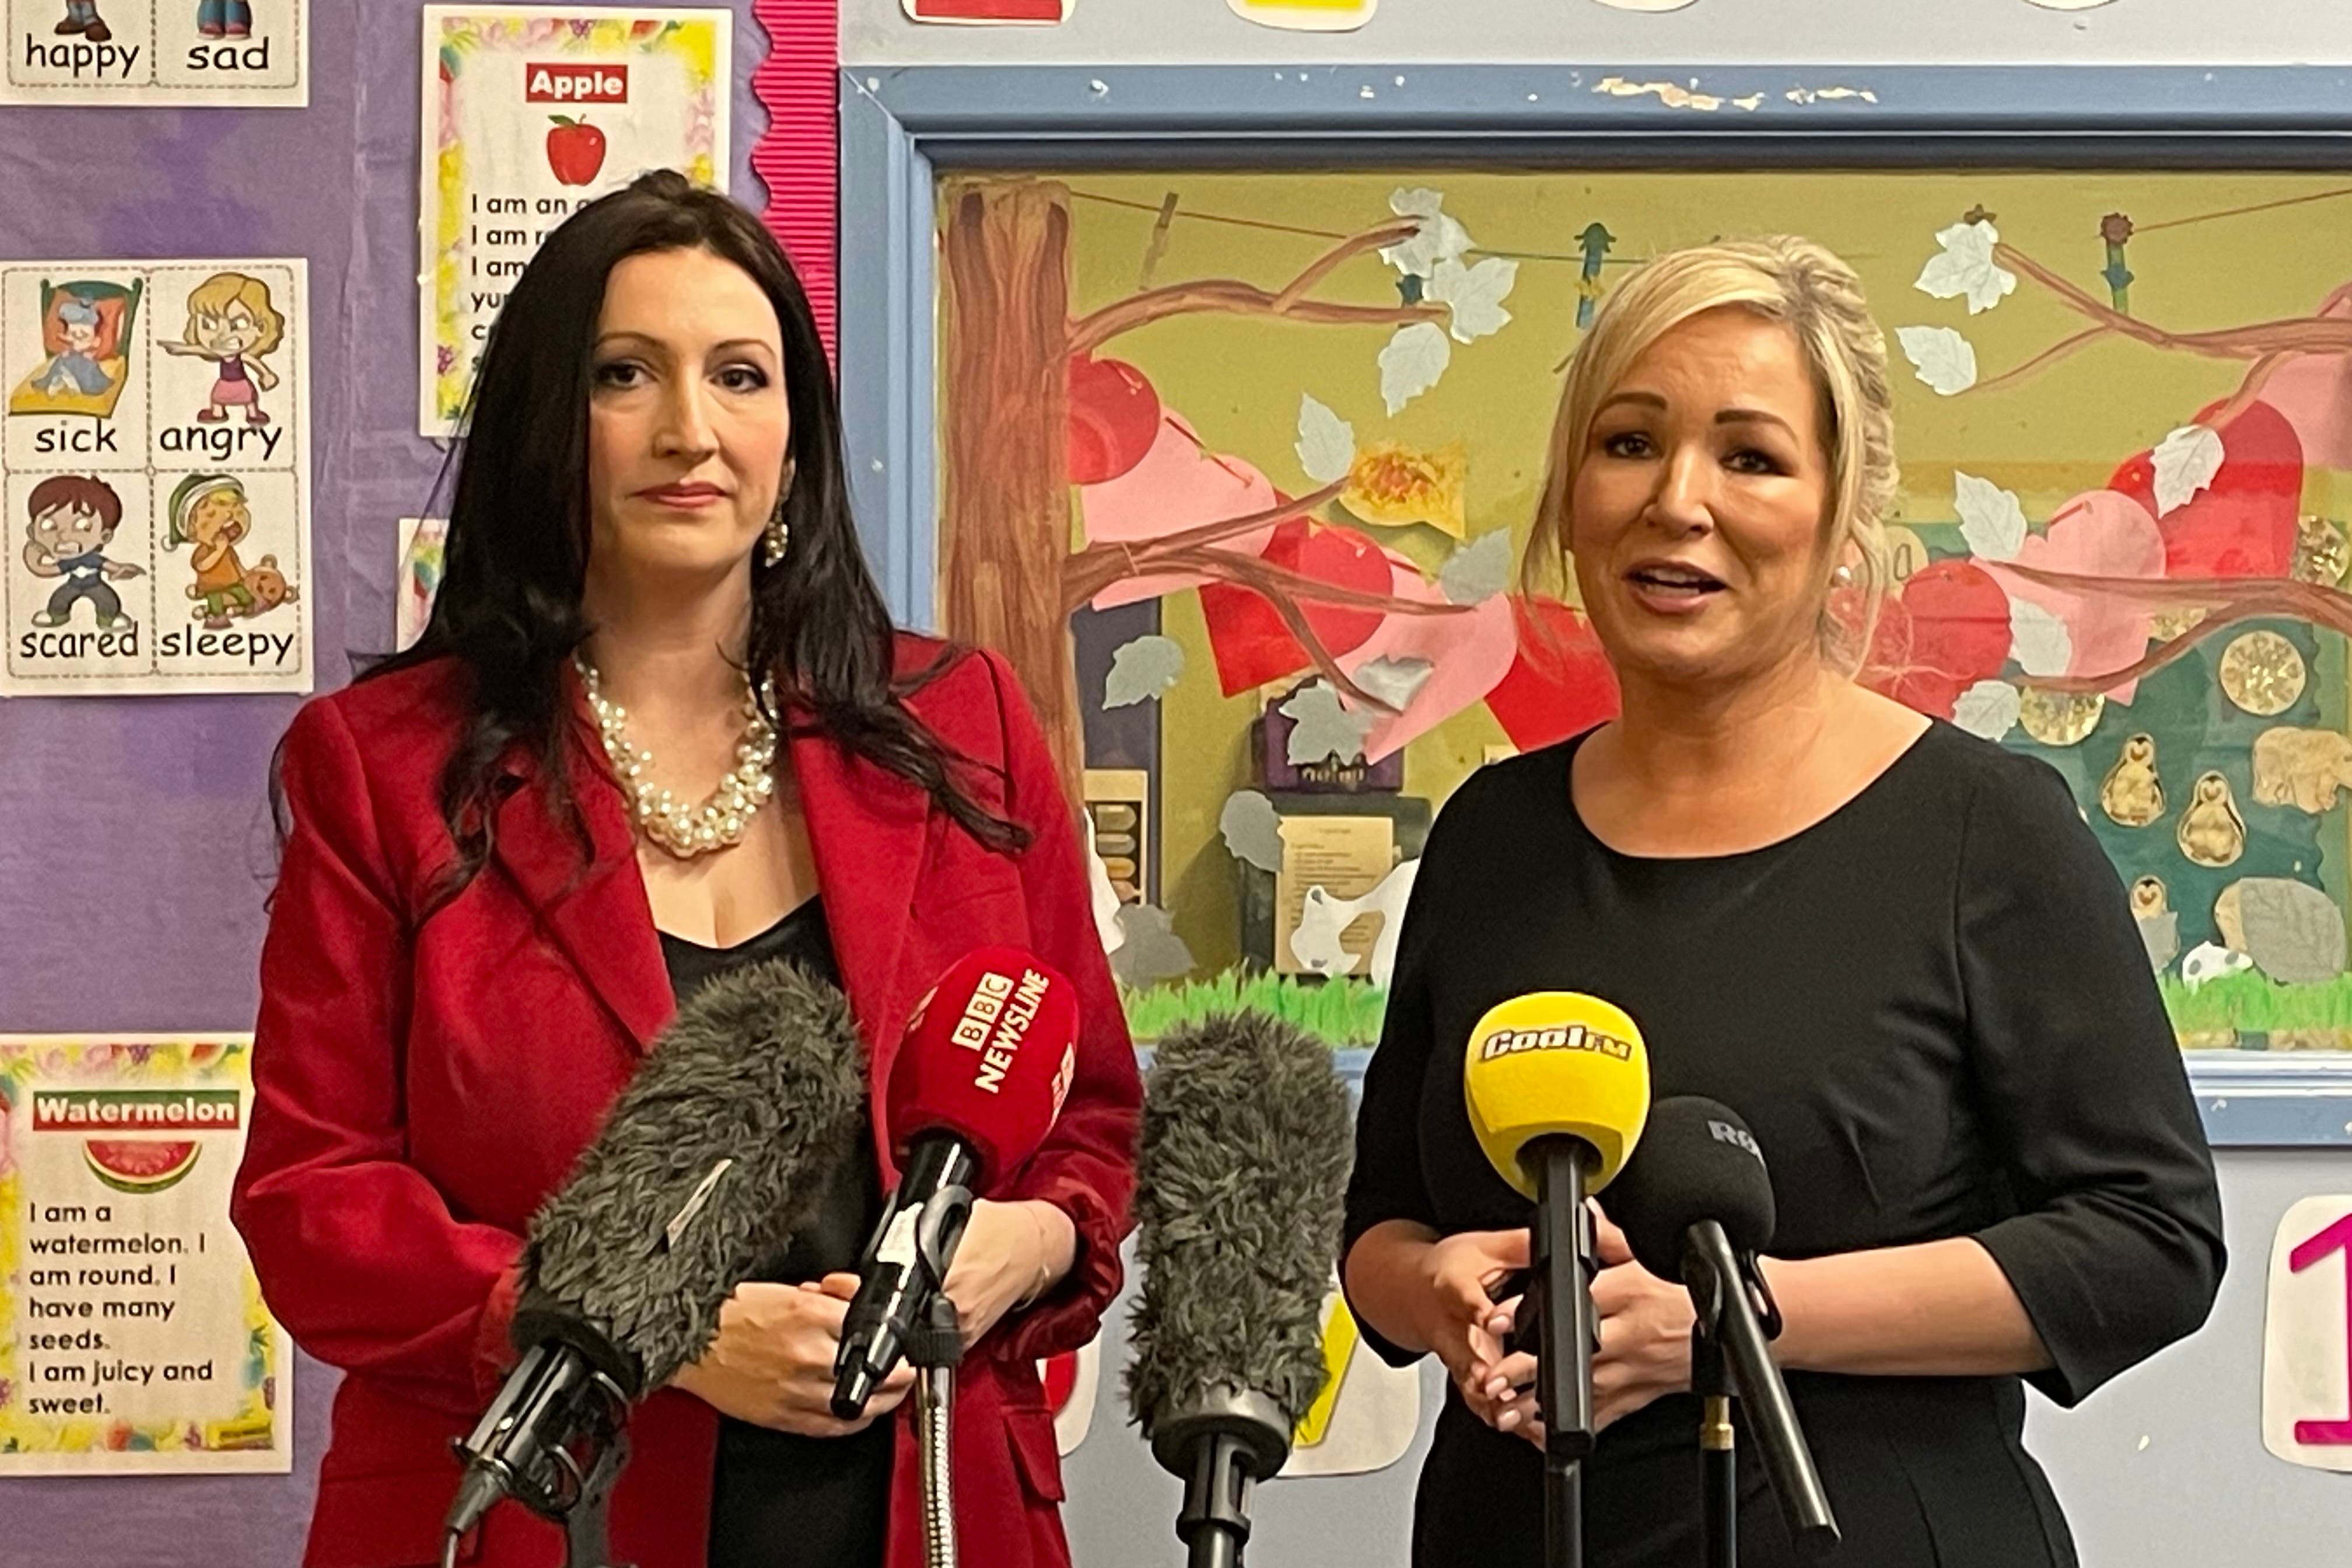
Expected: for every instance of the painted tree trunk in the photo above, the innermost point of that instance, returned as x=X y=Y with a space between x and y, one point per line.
x=1005 y=526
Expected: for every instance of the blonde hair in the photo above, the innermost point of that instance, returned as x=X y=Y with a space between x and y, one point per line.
x=1778 y=277
x=216 y=294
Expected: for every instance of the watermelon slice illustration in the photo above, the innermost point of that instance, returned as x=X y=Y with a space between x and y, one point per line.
x=141 y=1165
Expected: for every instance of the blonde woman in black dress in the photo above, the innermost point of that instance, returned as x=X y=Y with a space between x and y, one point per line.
x=1894 y=948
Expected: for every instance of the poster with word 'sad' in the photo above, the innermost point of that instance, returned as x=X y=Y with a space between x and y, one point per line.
x=529 y=114
x=192 y=54
x=155 y=471
x=133 y=1338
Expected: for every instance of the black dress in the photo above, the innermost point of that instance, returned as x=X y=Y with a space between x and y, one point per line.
x=779 y=1501
x=1934 y=1011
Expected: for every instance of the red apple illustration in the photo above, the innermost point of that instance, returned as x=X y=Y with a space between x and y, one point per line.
x=1114 y=418
x=575 y=149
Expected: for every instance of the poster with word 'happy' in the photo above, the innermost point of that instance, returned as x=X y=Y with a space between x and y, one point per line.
x=155 y=471
x=529 y=114
x=195 y=54
x=133 y=1338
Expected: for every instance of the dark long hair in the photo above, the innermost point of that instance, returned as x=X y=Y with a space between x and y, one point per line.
x=508 y=607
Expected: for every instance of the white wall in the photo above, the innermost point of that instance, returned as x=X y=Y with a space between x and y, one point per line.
x=1706 y=32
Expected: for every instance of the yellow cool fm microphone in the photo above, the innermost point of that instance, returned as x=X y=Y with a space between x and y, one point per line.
x=1558 y=1086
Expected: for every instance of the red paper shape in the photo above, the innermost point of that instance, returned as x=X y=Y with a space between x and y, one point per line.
x=985 y=10
x=798 y=156
x=1114 y=418
x=1948 y=630
x=1252 y=645
x=1559 y=684
x=2243 y=523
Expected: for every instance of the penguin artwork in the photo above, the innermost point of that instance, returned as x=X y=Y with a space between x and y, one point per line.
x=2131 y=794
x=2211 y=833
x=2159 y=928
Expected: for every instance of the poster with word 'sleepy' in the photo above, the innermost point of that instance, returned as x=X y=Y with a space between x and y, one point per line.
x=133 y=1338
x=529 y=113
x=196 y=54
x=155 y=470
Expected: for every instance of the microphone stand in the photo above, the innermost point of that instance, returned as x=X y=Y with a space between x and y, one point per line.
x=1563 y=1266
x=935 y=1349
x=1730 y=1354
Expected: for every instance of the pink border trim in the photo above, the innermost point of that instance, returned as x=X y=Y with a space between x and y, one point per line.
x=798 y=156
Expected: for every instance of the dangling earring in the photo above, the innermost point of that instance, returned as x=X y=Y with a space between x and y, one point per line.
x=1843 y=576
x=778 y=534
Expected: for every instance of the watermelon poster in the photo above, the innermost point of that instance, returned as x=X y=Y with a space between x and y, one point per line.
x=529 y=113
x=134 y=1339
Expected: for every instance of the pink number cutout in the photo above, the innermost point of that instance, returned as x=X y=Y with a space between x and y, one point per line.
x=2336 y=1237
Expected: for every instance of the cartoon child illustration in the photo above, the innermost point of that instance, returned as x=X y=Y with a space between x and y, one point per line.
x=224 y=19
x=210 y=512
x=73 y=519
x=75 y=367
x=230 y=317
x=81 y=17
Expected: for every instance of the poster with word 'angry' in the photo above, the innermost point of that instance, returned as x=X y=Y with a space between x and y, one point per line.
x=196 y=54
x=529 y=114
x=155 y=471
x=134 y=1339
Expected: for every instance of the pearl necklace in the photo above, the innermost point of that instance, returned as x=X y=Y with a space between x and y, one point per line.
x=683 y=830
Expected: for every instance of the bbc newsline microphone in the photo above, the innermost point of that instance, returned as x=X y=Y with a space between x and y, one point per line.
x=1696 y=1205
x=718 y=1150
x=1241 y=1182
x=1557 y=1087
x=979 y=1077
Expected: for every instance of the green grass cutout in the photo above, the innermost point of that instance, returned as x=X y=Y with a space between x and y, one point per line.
x=1341 y=1013
x=2252 y=1004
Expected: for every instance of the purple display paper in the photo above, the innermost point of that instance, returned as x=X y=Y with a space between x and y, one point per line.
x=135 y=837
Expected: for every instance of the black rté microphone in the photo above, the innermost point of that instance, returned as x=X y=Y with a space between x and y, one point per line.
x=1696 y=1204
x=719 y=1150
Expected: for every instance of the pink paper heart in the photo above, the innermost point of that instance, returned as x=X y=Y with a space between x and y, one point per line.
x=1177 y=486
x=2100 y=534
x=1470 y=653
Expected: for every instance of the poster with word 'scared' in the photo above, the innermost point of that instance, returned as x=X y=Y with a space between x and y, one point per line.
x=529 y=114
x=155 y=471
x=193 y=54
x=134 y=1339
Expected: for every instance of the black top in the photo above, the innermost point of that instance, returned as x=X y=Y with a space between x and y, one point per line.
x=1936 y=1013
x=779 y=1501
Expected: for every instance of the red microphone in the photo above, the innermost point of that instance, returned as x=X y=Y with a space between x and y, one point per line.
x=982 y=1073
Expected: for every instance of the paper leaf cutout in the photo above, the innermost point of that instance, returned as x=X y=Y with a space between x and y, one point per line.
x=1439 y=238
x=2186 y=462
x=1142 y=669
x=1102 y=896
x=1326 y=443
x=1395 y=680
x=1988 y=708
x=1479 y=571
x=1151 y=952
x=2038 y=640
x=1966 y=267
x=1942 y=358
x=1322 y=728
x=1475 y=295
x=1991 y=520
x=1251 y=830
x=1412 y=361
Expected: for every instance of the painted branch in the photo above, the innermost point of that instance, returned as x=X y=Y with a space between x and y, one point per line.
x=1097 y=566
x=1315 y=591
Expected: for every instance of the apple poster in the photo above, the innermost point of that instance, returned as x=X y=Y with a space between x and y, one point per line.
x=529 y=113
x=133 y=1338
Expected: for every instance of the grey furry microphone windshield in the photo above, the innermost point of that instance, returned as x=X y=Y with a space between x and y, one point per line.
x=1241 y=1182
x=713 y=1156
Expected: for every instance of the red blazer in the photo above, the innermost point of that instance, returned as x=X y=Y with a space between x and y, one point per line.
x=422 y=1085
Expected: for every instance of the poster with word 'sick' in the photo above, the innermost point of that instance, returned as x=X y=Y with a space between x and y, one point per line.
x=529 y=113
x=134 y=1339
x=154 y=465
x=196 y=54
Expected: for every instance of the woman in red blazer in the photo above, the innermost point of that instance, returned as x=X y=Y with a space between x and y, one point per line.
x=501 y=867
